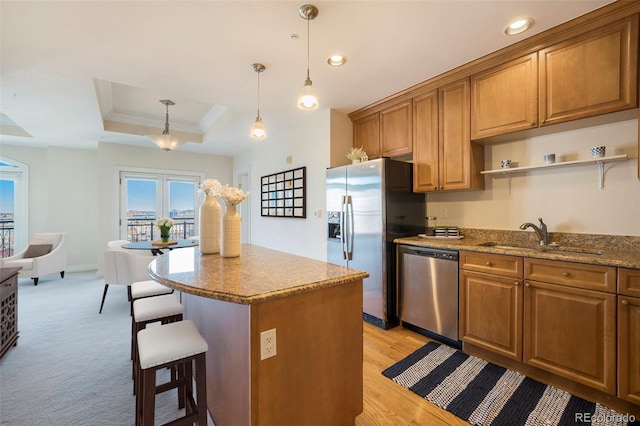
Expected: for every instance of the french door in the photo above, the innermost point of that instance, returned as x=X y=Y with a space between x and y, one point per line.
x=146 y=196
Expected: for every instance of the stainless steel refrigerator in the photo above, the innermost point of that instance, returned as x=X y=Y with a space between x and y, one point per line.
x=369 y=205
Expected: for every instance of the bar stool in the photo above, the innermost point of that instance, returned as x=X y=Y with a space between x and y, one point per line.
x=142 y=289
x=178 y=345
x=165 y=309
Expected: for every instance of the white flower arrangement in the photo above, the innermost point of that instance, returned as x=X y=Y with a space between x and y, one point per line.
x=164 y=222
x=356 y=154
x=232 y=195
x=210 y=187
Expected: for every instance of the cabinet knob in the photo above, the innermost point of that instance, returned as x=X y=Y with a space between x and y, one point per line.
x=489 y=264
x=527 y=285
x=516 y=283
x=624 y=301
x=565 y=274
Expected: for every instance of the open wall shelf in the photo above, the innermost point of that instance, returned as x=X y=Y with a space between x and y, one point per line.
x=600 y=162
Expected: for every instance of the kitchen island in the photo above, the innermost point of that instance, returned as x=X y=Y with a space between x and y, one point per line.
x=315 y=377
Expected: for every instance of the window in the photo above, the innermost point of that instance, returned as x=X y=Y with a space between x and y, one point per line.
x=147 y=196
x=14 y=225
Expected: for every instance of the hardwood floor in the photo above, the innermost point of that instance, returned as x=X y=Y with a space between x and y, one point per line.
x=385 y=402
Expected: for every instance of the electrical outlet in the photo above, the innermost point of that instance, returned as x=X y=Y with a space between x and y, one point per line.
x=267 y=344
x=444 y=213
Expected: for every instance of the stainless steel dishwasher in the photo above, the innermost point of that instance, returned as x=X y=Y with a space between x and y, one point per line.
x=428 y=292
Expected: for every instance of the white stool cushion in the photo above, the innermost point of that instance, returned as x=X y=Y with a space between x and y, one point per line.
x=150 y=308
x=169 y=342
x=148 y=288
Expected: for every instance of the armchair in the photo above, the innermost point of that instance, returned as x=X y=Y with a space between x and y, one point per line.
x=46 y=254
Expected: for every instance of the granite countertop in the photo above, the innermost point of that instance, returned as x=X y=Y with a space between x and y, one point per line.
x=609 y=257
x=259 y=274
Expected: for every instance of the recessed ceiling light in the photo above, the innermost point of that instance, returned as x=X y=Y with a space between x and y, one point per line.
x=519 y=26
x=337 y=60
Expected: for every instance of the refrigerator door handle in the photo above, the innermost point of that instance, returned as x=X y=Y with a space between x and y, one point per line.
x=343 y=228
x=350 y=228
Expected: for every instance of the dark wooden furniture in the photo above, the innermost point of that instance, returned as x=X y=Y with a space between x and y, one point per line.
x=8 y=308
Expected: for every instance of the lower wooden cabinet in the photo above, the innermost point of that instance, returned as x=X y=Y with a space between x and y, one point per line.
x=571 y=332
x=629 y=348
x=491 y=313
x=8 y=308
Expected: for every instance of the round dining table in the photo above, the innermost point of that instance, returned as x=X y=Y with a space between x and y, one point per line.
x=156 y=248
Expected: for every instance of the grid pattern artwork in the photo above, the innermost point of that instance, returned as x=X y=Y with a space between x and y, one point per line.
x=283 y=194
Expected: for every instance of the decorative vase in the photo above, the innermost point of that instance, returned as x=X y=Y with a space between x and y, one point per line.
x=164 y=234
x=210 y=212
x=230 y=232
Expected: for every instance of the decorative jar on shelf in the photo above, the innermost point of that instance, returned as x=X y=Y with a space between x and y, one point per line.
x=210 y=212
x=230 y=232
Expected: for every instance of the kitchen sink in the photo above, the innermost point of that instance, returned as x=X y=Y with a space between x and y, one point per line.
x=548 y=249
x=507 y=247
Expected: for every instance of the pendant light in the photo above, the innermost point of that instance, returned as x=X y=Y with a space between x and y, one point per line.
x=258 y=130
x=166 y=141
x=308 y=98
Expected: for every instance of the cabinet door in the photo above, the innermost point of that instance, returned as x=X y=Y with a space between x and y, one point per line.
x=395 y=130
x=425 y=142
x=594 y=73
x=504 y=99
x=629 y=348
x=491 y=313
x=572 y=333
x=366 y=135
x=460 y=161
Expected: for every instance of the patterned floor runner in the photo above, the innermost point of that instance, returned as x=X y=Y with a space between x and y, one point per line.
x=485 y=394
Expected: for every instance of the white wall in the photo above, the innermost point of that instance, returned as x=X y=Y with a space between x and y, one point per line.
x=63 y=194
x=568 y=198
x=308 y=144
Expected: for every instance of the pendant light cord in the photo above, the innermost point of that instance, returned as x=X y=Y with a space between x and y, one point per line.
x=166 y=123
x=258 y=94
x=308 y=36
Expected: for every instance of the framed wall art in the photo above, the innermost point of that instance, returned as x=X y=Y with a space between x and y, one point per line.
x=284 y=194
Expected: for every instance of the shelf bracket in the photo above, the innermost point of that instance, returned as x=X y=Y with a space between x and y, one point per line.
x=601 y=173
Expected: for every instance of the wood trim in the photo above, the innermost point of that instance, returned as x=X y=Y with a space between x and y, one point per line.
x=592 y=20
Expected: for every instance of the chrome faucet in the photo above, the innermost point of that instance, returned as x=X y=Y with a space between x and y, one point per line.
x=540 y=231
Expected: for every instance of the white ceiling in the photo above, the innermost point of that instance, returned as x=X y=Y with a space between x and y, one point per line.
x=67 y=66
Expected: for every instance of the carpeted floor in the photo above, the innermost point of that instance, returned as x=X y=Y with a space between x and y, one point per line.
x=71 y=365
x=486 y=394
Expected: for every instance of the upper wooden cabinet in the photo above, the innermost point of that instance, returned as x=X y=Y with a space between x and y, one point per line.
x=386 y=133
x=592 y=74
x=443 y=147
x=504 y=99
x=366 y=135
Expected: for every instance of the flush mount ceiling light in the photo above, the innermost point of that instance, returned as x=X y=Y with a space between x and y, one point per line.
x=337 y=60
x=166 y=141
x=519 y=26
x=258 y=130
x=308 y=98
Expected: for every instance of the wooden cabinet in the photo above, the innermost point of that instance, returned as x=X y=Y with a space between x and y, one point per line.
x=8 y=308
x=580 y=275
x=504 y=99
x=491 y=304
x=592 y=74
x=457 y=162
x=387 y=133
x=366 y=135
x=396 y=130
x=629 y=334
x=629 y=348
x=570 y=331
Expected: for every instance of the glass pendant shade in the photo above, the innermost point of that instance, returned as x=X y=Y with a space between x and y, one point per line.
x=165 y=142
x=308 y=98
x=258 y=131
